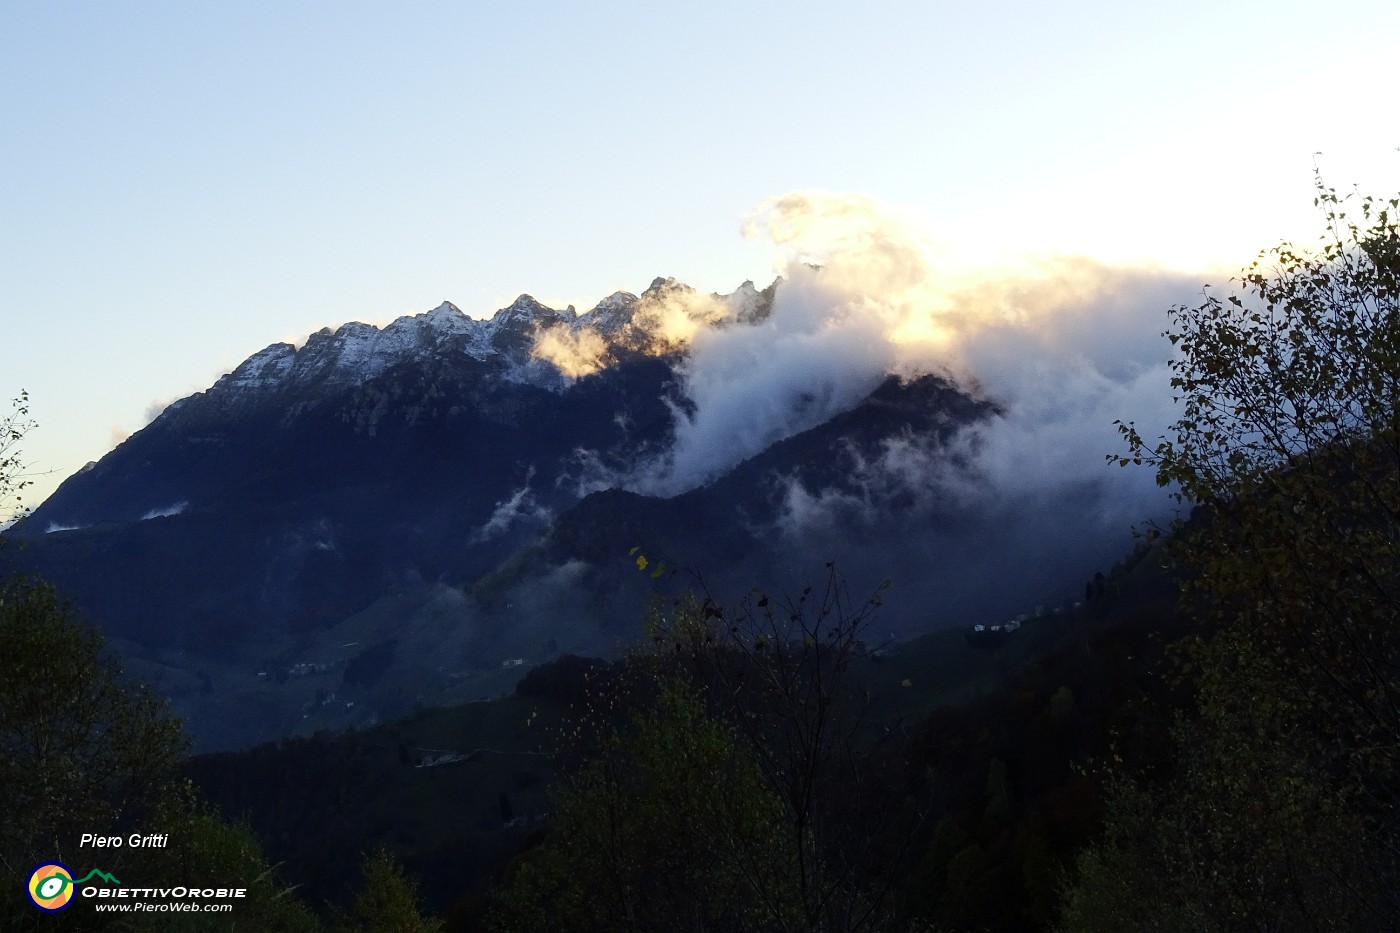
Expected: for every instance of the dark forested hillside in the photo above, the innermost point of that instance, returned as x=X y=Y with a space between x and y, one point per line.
x=995 y=748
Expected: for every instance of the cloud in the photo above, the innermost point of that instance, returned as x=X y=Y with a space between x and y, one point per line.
x=154 y=410
x=849 y=275
x=666 y=318
x=1011 y=507
x=871 y=253
x=55 y=526
x=574 y=351
x=1066 y=345
x=1020 y=505
x=117 y=434
x=916 y=476
x=165 y=512
x=520 y=509
x=1063 y=346
x=670 y=315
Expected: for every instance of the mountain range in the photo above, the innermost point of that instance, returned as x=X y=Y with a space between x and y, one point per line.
x=383 y=518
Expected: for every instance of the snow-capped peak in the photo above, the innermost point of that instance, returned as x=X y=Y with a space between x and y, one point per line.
x=268 y=365
x=355 y=352
x=525 y=313
x=612 y=313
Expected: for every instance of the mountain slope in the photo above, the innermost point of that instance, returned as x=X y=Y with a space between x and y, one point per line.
x=381 y=518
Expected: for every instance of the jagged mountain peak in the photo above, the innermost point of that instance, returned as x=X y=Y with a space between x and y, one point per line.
x=618 y=299
x=446 y=320
x=524 y=302
x=525 y=342
x=611 y=314
x=665 y=285
x=358 y=351
x=268 y=365
x=525 y=313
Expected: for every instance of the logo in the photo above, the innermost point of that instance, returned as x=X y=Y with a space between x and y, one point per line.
x=51 y=886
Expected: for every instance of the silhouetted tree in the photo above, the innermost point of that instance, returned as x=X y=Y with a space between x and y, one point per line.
x=1285 y=813
x=13 y=428
x=387 y=901
x=733 y=799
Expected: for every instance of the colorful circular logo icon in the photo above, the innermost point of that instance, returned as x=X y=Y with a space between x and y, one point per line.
x=51 y=887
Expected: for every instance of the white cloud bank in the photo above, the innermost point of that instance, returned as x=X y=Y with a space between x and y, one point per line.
x=1065 y=346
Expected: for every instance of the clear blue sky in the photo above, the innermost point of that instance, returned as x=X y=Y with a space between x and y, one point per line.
x=183 y=183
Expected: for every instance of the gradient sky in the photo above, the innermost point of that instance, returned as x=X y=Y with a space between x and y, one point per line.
x=183 y=183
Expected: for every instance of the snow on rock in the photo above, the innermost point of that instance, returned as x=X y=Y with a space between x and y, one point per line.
x=509 y=341
x=266 y=366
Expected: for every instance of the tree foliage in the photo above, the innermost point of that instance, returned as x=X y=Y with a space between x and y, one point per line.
x=83 y=752
x=387 y=901
x=203 y=846
x=79 y=750
x=780 y=666
x=728 y=796
x=666 y=827
x=1284 y=810
x=13 y=427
